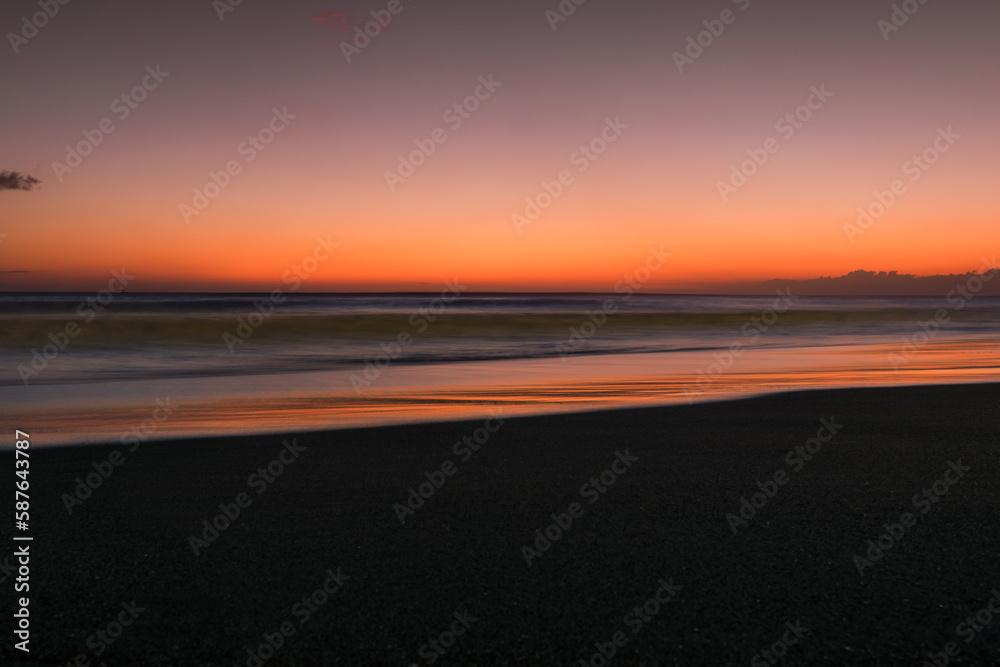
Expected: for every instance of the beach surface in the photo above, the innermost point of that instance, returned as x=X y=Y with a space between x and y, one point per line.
x=646 y=553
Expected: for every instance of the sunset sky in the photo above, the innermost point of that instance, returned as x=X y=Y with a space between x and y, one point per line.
x=657 y=184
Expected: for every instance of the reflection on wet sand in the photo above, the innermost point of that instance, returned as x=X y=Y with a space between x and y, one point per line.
x=423 y=392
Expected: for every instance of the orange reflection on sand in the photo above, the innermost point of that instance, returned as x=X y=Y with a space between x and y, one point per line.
x=431 y=392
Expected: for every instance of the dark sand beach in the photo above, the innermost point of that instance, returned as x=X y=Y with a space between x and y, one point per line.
x=663 y=520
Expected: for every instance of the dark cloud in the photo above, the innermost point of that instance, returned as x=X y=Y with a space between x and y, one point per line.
x=12 y=180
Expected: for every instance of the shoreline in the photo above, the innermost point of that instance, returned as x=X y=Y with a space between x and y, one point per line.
x=314 y=402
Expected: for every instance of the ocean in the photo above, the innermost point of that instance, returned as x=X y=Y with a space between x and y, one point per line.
x=77 y=367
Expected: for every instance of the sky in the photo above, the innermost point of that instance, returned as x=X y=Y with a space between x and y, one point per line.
x=624 y=131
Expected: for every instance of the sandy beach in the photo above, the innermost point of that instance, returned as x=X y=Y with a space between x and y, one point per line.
x=418 y=545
